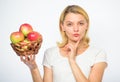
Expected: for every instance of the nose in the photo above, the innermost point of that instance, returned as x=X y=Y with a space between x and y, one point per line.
x=76 y=28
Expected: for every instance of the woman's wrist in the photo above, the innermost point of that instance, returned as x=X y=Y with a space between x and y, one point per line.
x=71 y=60
x=33 y=67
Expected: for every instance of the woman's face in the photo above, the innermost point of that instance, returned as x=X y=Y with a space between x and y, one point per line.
x=75 y=26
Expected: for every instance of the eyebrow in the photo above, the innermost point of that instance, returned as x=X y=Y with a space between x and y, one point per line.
x=78 y=21
x=82 y=21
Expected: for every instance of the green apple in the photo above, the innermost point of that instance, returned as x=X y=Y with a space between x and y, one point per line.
x=16 y=37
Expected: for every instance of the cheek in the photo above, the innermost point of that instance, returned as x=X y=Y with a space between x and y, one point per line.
x=68 y=30
x=68 y=33
x=82 y=32
x=83 y=29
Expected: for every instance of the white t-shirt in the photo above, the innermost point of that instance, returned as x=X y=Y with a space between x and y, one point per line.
x=61 y=69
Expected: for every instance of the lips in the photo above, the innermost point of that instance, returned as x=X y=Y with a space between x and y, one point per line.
x=76 y=35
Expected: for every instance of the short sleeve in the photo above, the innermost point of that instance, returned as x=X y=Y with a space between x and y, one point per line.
x=101 y=57
x=46 y=60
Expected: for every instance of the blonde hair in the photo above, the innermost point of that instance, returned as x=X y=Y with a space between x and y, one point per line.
x=72 y=9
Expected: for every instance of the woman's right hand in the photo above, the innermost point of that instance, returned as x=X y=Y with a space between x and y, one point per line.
x=29 y=60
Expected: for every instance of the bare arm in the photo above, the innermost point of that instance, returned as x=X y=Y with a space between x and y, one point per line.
x=96 y=71
x=79 y=76
x=48 y=77
x=95 y=74
x=30 y=62
x=36 y=75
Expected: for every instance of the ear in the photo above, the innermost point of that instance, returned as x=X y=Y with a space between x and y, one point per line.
x=62 y=27
x=87 y=26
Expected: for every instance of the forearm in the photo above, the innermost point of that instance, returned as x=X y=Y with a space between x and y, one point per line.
x=29 y=60
x=36 y=75
x=79 y=76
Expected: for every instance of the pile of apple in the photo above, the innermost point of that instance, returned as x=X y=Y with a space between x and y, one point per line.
x=25 y=35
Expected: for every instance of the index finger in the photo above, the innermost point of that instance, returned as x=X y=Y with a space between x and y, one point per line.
x=77 y=43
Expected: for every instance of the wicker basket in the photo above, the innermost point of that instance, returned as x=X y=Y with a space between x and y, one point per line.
x=27 y=49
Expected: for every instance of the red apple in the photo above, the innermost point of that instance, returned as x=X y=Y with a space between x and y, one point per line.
x=25 y=28
x=33 y=36
x=16 y=37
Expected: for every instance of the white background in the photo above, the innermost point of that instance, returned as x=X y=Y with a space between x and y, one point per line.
x=43 y=15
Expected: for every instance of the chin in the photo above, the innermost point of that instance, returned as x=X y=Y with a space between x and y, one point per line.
x=75 y=40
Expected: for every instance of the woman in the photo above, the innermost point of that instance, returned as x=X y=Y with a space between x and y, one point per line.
x=73 y=60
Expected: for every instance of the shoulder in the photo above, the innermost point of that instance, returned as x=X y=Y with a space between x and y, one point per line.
x=51 y=51
x=99 y=54
x=96 y=49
